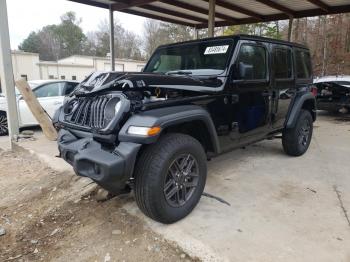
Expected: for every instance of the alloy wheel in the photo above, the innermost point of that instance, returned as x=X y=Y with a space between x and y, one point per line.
x=304 y=133
x=3 y=125
x=181 y=180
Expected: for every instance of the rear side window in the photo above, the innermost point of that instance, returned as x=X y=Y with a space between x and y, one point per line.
x=302 y=64
x=253 y=59
x=69 y=87
x=283 y=63
x=49 y=90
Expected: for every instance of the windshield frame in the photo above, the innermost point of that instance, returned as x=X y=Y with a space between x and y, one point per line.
x=224 y=72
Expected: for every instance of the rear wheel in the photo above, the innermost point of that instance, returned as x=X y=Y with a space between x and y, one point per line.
x=3 y=124
x=170 y=177
x=296 y=140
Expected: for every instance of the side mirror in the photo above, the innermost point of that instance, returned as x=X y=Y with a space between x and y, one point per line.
x=241 y=72
x=245 y=71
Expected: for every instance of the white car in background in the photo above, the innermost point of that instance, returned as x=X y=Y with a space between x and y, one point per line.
x=50 y=94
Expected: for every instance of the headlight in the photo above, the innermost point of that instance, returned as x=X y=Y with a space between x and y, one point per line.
x=144 y=131
x=117 y=107
x=112 y=108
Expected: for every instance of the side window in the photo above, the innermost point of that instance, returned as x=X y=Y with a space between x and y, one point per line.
x=302 y=64
x=252 y=62
x=49 y=90
x=283 y=66
x=69 y=87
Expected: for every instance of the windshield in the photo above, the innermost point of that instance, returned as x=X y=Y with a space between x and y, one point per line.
x=200 y=58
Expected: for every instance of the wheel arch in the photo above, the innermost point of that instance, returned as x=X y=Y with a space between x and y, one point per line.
x=304 y=101
x=188 y=119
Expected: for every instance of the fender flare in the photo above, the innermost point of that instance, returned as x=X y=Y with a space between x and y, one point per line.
x=296 y=107
x=167 y=117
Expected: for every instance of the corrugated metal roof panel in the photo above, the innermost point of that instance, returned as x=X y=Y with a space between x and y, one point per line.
x=336 y=2
x=296 y=5
x=255 y=6
x=229 y=12
x=299 y=8
x=139 y=9
x=178 y=9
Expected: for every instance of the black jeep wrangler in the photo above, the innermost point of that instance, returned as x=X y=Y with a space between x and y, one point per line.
x=154 y=131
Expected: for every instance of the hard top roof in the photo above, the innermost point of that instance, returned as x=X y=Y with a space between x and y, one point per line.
x=240 y=37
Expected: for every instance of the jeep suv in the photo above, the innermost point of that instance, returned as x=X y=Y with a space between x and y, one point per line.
x=154 y=131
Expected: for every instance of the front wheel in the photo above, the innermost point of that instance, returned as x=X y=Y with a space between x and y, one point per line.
x=170 y=177
x=296 y=140
x=3 y=124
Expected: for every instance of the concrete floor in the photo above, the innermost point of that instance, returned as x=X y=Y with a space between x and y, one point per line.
x=281 y=208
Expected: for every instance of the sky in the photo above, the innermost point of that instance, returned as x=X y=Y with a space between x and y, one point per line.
x=26 y=16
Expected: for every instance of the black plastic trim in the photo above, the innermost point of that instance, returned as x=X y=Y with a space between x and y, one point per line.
x=166 y=117
x=111 y=169
x=296 y=105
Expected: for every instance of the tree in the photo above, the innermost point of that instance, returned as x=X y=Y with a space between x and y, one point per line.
x=159 y=33
x=31 y=43
x=269 y=29
x=126 y=43
x=53 y=42
x=70 y=35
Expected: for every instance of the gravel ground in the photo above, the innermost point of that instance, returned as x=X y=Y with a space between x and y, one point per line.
x=50 y=216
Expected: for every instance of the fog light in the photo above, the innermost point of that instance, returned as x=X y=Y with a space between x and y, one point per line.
x=97 y=169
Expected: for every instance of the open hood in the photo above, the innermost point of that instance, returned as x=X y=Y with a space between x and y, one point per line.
x=120 y=81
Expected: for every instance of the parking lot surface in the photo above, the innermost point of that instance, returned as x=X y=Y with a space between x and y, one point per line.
x=269 y=206
x=282 y=208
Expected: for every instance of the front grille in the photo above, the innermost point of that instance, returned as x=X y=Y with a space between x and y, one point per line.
x=90 y=111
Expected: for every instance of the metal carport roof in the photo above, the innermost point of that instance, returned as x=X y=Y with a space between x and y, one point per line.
x=194 y=13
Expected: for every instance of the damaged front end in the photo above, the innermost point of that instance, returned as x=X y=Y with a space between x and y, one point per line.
x=333 y=96
x=92 y=116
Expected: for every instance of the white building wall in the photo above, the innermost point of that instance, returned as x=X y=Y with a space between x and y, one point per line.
x=25 y=65
x=66 y=71
x=70 y=68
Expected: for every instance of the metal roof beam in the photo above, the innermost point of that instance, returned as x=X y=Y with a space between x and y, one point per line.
x=121 y=5
x=283 y=16
x=321 y=5
x=277 y=6
x=92 y=3
x=197 y=9
x=157 y=17
x=173 y=13
x=237 y=8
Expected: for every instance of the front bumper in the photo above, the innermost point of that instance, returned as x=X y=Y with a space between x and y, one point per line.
x=111 y=169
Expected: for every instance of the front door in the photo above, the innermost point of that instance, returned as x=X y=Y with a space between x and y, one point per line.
x=250 y=80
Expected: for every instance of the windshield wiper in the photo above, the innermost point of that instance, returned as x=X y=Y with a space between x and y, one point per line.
x=179 y=72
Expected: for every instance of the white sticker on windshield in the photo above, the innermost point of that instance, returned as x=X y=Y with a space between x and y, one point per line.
x=219 y=49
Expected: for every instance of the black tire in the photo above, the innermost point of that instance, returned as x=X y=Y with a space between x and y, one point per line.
x=156 y=175
x=296 y=140
x=3 y=124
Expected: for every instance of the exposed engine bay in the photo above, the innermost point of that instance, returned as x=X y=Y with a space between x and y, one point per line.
x=103 y=101
x=333 y=96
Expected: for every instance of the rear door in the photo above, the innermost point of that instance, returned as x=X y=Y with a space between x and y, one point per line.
x=49 y=95
x=283 y=80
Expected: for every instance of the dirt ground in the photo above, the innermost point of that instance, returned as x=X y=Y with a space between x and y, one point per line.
x=50 y=216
